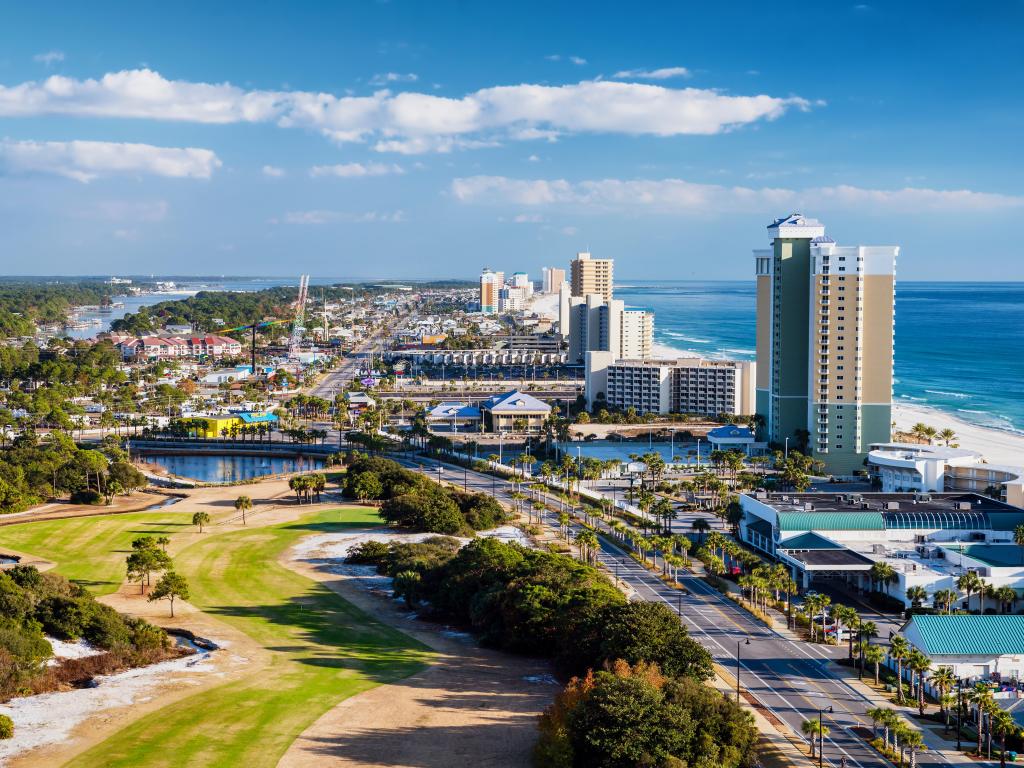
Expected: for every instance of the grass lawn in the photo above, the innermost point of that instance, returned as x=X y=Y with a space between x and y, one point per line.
x=323 y=650
x=92 y=550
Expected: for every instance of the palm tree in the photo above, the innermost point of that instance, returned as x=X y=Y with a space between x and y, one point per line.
x=917 y=595
x=944 y=598
x=969 y=582
x=588 y=544
x=912 y=741
x=815 y=730
x=946 y=435
x=943 y=679
x=1002 y=722
x=881 y=573
x=847 y=617
x=918 y=663
x=200 y=519
x=899 y=649
x=874 y=654
x=243 y=503
x=983 y=700
x=1018 y=535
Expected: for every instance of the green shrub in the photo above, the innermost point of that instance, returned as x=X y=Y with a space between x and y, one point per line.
x=87 y=496
x=367 y=553
x=6 y=727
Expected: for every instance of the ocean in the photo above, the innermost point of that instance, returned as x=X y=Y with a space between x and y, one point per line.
x=959 y=346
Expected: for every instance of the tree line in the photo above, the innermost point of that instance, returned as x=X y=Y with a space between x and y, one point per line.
x=636 y=692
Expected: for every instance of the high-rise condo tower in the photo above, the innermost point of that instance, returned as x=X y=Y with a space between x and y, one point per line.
x=824 y=343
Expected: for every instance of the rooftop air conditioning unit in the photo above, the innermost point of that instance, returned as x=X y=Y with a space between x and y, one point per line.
x=922 y=497
x=963 y=506
x=864 y=505
x=878 y=549
x=808 y=507
x=892 y=505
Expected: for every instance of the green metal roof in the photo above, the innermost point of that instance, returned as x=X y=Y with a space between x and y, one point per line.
x=998 y=555
x=808 y=541
x=1005 y=521
x=831 y=521
x=966 y=635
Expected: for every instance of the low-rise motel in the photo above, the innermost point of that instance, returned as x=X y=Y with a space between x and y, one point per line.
x=929 y=540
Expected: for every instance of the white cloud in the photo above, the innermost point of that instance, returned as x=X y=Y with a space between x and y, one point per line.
x=528 y=218
x=407 y=122
x=273 y=171
x=126 y=234
x=325 y=217
x=664 y=73
x=679 y=196
x=578 y=60
x=386 y=78
x=49 y=58
x=356 y=170
x=86 y=160
x=533 y=159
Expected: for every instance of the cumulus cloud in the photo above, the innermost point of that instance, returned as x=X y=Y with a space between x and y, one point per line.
x=664 y=73
x=407 y=122
x=356 y=170
x=87 y=160
x=387 y=78
x=273 y=171
x=48 y=58
x=679 y=196
x=326 y=217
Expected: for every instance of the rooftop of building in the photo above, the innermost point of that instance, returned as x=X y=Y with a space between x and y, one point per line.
x=966 y=634
x=515 y=401
x=795 y=220
x=995 y=555
x=821 y=502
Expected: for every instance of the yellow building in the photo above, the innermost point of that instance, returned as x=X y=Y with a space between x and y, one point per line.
x=214 y=424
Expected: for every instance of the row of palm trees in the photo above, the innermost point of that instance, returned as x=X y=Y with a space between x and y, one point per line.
x=898 y=736
x=925 y=433
x=307 y=486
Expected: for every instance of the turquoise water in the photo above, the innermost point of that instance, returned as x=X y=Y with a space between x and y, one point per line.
x=959 y=346
x=209 y=468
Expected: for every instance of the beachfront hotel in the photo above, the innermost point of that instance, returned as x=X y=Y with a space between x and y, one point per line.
x=824 y=343
x=589 y=275
x=491 y=284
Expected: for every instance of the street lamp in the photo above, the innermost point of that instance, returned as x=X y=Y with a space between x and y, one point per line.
x=738 y=643
x=821 y=735
x=959 y=709
x=698 y=454
x=440 y=469
x=785 y=456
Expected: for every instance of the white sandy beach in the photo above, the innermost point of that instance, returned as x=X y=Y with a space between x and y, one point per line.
x=996 y=445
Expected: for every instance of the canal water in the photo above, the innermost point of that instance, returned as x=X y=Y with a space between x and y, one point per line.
x=209 y=468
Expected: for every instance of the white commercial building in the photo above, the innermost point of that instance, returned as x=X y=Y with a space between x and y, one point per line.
x=932 y=468
x=929 y=540
x=688 y=385
x=596 y=325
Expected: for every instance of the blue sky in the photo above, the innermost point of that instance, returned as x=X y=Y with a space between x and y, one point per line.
x=410 y=139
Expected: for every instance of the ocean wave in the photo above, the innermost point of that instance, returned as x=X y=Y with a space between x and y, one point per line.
x=740 y=351
x=915 y=399
x=684 y=337
x=968 y=410
x=958 y=395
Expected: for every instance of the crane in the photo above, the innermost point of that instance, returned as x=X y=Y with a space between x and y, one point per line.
x=300 y=313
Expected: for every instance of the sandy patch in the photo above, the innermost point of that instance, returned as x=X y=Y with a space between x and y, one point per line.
x=998 y=446
x=63 y=649
x=472 y=707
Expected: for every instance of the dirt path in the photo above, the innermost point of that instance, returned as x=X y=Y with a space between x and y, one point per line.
x=473 y=708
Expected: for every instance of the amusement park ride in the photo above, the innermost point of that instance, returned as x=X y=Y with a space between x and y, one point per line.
x=295 y=338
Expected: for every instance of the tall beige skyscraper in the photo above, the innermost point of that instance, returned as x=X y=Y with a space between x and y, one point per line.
x=591 y=276
x=824 y=342
x=491 y=284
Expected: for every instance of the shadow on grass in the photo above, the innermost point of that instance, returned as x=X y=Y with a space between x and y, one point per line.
x=326 y=631
x=425 y=746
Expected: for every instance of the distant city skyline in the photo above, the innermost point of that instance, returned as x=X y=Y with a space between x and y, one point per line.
x=394 y=140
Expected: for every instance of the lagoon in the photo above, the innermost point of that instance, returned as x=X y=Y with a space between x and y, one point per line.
x=213 y=468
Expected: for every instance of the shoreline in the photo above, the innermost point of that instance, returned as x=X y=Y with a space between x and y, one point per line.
x=998 y=446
